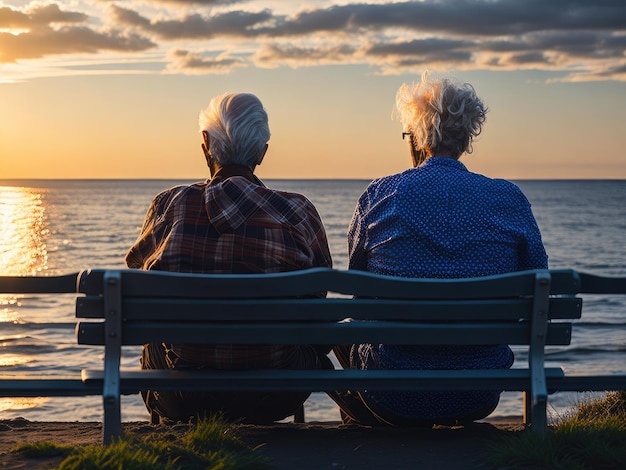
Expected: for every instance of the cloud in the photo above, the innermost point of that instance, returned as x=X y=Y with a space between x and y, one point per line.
x=46 y=41
x=273 y=55
x=577 y=38
x=478 y=17
x=196 y=27
x=39 y=15
x=427 y=46
x=45 y=30
x=194 y=63
x=195 y=2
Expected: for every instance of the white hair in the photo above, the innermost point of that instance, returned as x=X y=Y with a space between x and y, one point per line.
x=442 y=115
x=238 y=128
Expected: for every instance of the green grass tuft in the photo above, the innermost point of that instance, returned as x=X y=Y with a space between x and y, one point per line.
x=591 y=438
x=210 y=444
x=43 y=450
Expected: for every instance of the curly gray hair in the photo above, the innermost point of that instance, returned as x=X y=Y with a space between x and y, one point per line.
x=442 y=115
x=238 y=128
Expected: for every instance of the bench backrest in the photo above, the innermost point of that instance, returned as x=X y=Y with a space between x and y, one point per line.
x=279 y=308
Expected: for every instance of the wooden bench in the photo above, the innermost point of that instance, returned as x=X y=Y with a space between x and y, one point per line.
x=117 y=308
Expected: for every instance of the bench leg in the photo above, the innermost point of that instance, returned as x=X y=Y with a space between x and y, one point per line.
x=112 y=426
x=536 y=414
x=539 y=416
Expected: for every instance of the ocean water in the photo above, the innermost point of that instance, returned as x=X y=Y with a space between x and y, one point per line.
x=52 y=227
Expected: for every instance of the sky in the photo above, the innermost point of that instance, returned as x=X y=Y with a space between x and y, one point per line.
x=113 y=89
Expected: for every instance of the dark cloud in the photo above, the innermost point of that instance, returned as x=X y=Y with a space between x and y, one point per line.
x=485 y=18
x=527 y=58
x=126 y=17
x=196 y=27
x=273 y=54
x=449 y=58
x=419 y=47
x=581 y=44
x=450 y=17
x=416 y=53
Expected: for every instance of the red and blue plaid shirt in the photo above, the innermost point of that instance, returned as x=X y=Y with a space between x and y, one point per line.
x=230 y=224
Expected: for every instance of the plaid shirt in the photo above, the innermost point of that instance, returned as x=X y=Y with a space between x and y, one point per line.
x=230 y=224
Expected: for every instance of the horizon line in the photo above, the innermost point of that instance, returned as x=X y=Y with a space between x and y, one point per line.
x=288 y=179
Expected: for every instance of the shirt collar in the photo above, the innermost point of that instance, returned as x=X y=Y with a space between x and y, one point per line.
x=443 y=161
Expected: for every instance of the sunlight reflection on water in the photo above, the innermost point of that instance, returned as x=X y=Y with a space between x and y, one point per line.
x=23 y=232
x=23 y=252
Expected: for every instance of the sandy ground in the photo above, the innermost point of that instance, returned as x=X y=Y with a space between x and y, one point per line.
x=295 y=446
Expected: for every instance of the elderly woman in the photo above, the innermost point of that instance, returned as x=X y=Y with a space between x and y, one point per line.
x=436 y=220
x=231 y=223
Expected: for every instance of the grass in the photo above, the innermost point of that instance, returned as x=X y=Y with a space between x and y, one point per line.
x=592 y=437
x=210 y=444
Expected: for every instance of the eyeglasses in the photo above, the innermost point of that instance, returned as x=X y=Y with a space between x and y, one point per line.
x=418 y=156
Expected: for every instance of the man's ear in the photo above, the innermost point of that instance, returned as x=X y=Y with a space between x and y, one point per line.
x=206 y=140
x=263 y=154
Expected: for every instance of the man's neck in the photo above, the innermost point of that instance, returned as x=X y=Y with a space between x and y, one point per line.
x=228 y=171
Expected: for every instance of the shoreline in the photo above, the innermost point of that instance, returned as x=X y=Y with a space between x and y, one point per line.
x=314 y=445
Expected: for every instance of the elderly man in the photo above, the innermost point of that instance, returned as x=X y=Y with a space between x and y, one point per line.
x=231 y=223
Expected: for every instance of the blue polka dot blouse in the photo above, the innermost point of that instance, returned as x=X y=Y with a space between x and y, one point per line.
x=440 y=221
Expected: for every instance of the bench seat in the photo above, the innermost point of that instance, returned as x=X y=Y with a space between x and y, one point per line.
x=133 y=380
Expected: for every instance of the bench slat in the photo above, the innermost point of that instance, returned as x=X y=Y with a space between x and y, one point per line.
x=45 y=386
x=138 y=308
x=310 y=281
x=323 y=333
x=65 y=284
x=133 y=381
x=587 y=383
x=593 y=284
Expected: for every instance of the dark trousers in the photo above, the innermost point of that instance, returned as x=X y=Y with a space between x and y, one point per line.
x=246 y=407
x=354 y=408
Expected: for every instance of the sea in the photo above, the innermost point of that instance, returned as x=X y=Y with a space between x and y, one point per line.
x=55 y=227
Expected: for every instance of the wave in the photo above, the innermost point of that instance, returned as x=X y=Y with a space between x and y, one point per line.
x=599 y=324
x=36 y=325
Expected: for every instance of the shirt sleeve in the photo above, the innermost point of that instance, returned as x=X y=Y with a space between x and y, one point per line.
x=356 y=237
x=146 y=243
x=319 y=242
x=532 y=253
